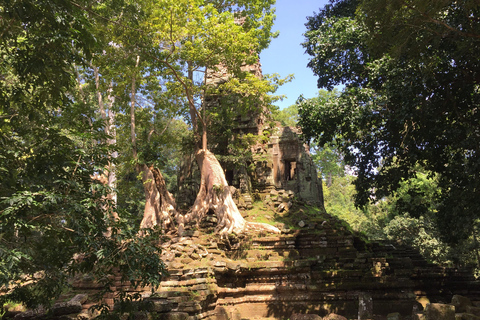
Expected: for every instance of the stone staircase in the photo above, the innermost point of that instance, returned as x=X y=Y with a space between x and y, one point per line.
x=320 y=268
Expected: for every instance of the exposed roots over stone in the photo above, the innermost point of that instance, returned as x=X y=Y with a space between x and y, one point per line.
x=160 y=204
x=258 y=227
x=215 y=195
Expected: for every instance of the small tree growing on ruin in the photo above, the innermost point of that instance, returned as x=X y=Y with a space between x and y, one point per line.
x=195 y=37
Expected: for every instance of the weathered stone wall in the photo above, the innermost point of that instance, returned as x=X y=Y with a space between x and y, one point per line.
x=284 y=163
x=319 y=269
x=281 y=163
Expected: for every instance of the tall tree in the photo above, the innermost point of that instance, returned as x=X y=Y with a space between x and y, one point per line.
x=194 y=39
x=412 y=91
x=327 y=157
x=55 y=218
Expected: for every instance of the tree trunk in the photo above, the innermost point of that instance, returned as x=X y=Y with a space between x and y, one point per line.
x=215 y=195
x=160 y=204
x=160 y=207
x=110 y=130
x=109 y=172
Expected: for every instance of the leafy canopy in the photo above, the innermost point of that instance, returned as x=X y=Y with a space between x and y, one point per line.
x=411 y=72
x=55 y=218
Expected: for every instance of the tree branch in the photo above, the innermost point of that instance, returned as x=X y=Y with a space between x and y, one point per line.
x=442 y=23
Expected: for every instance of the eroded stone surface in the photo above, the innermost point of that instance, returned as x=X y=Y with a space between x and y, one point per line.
x=319 y=269
x=439 y=311
x=461 y=303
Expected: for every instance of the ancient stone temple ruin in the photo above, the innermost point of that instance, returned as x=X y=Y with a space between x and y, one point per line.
x=314 y=268
x=318 y=269
x=281 y=160
x=285 y=164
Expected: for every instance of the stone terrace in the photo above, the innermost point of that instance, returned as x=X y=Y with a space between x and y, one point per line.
x=318 y=269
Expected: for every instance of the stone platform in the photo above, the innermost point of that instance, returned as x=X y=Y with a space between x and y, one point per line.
x=318 y=269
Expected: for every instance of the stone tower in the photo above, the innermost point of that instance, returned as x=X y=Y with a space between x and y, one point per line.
x=280 y=160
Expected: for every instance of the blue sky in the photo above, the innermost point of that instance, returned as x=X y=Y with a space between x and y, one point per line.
x=286 y=55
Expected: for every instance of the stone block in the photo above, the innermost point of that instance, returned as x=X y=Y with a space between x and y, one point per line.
x=64 y=308
x=159 y=305
x=394 y=316
x=418 y=316
x=439 y=311
x=461 y=303
x=82 y=298
x=473 y=310
x=466 y=316
x=365 y=306
x=173 y=316
x=333 y=316
x=300 y=316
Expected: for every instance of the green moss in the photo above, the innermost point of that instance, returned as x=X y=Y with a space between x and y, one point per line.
x=13 y=306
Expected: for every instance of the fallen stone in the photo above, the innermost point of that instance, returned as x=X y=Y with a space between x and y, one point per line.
x=64 y=308
x=394 y=316
x=466 y=316
x=188 y=233
x=82 y=298
x=333 y=316
x=233 y=265
x=195 y=256
x=30 y=314
x=365 y=306
x=176 y=265
x=299 y=316
x=439 y=311
x=186 y=261
x=418 y=316
x=159 y=305
x=173 y=316
x=187 y=242
x=220 y=264
x=473 y=310
x=301 y=224
x=461 y=303
x=10 y=314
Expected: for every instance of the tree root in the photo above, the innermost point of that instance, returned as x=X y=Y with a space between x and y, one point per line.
x=160 y=204
x=215 y=195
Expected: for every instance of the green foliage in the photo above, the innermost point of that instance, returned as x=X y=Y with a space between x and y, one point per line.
x=407 y=217
x=288 y=117
x=328 y=159
x=55 y=218
x=338 y=198
x=411 y=96
x=422 y=234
